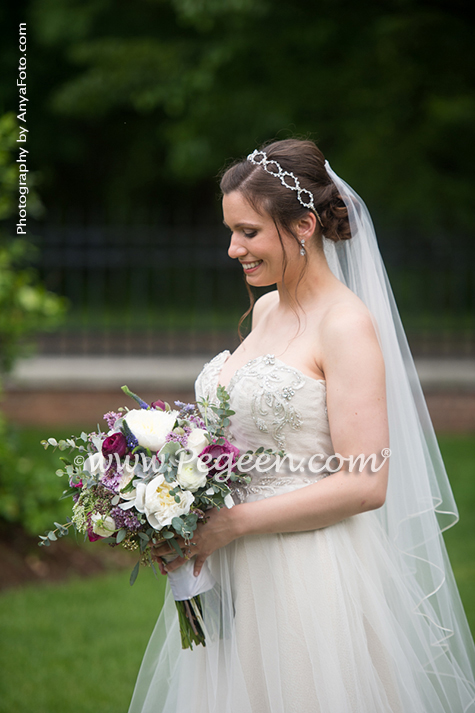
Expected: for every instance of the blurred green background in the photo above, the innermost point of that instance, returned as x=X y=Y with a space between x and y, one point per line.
x=134 y=108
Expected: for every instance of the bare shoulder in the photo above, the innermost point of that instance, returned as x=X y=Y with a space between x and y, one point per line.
x=346 y=320
x=348 y=334
x=263 y=305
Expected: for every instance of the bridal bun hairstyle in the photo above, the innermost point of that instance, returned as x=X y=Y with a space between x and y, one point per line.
x=264 y=191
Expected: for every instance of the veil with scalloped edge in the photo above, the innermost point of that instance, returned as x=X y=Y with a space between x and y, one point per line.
x=420 y=504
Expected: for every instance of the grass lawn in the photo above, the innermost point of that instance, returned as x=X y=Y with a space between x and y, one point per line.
x=77 y=647
x=459 y=456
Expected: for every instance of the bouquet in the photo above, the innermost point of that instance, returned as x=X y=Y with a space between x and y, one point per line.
x=150 y=478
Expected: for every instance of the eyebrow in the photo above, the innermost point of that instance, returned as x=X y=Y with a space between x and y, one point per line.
x=240 y=225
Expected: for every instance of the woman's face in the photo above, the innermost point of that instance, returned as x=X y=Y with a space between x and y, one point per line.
x=255 y=241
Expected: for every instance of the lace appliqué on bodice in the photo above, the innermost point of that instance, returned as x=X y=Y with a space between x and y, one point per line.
x=271 y=406
x=277 y=407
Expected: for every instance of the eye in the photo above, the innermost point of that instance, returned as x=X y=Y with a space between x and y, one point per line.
x=250 y=234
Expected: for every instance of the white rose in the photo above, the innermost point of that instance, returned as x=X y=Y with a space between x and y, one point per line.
x=95 y=464
x=197 y=441
x=104 y=526
x=159 y=506
x=126 y=477
x=192 y=472
x=150 y=428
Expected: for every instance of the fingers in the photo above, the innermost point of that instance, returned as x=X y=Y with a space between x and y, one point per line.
x=199 y=562
x=162 y=550
x=162 y=567
x=177 y=562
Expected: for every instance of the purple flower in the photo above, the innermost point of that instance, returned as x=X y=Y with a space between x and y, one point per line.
x=158 y=405
x=117 y=443
x=185 y=408
x=126 y=519
x=111 y=417
x=221 y=458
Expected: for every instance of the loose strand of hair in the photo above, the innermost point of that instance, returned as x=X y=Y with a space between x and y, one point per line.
x=252 y=300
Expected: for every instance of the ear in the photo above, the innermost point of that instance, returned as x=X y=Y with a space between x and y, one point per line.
x=306 y=226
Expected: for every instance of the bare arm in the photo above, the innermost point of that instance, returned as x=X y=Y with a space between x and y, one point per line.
x=356 y=402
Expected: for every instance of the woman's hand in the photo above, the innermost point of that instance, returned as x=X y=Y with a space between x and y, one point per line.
x=215 y=533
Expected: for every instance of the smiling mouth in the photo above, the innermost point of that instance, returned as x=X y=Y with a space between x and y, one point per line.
x=250 y=265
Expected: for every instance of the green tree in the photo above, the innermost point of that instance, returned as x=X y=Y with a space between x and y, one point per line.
x=160 y=92
x=25 y=307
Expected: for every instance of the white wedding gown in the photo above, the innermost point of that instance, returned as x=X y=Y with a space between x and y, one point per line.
x=307 y=622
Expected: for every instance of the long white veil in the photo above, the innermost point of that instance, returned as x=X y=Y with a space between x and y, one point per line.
x=420 y=504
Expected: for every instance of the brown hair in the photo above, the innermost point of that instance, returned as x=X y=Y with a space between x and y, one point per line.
x=265 y=192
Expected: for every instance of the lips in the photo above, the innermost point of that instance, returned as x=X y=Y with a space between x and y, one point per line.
x=251 y=265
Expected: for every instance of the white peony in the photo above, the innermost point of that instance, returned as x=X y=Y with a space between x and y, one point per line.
x=95 y=464
x=104 y=526
x=126 y=476
x=159 y=506
x=197 y=441
x=150 y=428
x=192 y=472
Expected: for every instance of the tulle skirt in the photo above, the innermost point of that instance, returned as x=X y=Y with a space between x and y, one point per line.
x=318 y=622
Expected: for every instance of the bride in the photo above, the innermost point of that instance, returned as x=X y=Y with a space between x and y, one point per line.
x=333 y=592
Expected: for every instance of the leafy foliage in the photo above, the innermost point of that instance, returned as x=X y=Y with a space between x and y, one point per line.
x=148 y=99
x=28 y=495
x=25 y=305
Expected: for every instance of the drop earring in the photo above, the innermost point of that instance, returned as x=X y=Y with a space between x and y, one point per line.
x=302 y=249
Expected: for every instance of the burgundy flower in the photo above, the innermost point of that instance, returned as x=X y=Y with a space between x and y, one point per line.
x=158 y=404
x=91 y=535
x=221 y=458
x=117 y=443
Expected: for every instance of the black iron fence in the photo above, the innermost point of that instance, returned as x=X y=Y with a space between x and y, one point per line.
x=147 y=289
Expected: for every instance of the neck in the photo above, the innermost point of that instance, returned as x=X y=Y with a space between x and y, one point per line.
x=317 y=280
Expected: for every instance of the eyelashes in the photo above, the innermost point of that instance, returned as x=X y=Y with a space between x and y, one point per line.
x=249 y=234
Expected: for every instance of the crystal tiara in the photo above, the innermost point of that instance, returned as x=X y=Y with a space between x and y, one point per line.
x=305 y=197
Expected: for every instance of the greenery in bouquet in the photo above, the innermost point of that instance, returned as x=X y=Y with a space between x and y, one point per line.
x=151 y=477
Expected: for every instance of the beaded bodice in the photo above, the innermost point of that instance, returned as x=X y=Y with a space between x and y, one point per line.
x=276 y=406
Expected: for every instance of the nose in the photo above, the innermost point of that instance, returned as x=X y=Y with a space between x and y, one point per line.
x=236 y=248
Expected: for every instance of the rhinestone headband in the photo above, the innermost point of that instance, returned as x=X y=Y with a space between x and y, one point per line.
x=288 y=179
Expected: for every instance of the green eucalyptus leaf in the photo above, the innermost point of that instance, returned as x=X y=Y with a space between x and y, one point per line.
x=121 y=535
x=134 y=574
x=176 y=547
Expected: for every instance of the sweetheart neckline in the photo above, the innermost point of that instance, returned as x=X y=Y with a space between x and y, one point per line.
x=261 y=356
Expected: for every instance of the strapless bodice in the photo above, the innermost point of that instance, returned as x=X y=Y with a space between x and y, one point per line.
x=276 y=406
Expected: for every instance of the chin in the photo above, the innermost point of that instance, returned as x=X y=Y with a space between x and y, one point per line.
x=259 y=281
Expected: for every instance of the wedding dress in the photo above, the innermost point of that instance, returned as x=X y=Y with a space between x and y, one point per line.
x=309 y=622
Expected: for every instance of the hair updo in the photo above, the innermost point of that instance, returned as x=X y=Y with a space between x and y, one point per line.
x=264 y=191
